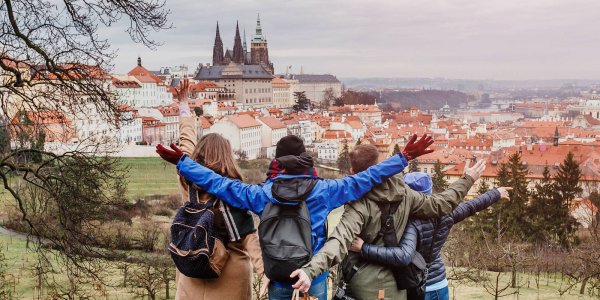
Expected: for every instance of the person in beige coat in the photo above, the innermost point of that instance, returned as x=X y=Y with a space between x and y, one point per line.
x=214 y=151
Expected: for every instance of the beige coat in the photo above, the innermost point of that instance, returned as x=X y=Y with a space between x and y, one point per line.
x=235 y=281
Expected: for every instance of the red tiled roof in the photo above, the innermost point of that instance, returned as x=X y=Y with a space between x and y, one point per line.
x=336 y=134
x=272 y=122
x=143 y=75
x=243 y=121
x=125 y=83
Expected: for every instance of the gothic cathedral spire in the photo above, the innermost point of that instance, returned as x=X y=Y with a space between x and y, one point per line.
x=238 y=51
x=218 y=49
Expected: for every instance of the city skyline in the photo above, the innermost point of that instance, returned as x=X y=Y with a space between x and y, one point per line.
x=452 y=39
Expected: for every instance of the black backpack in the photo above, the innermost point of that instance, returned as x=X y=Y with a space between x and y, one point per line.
x=413 y=277
x=285 y=230
x=196 y=245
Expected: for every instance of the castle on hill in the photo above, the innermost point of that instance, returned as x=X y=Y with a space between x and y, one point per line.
x=258 y=54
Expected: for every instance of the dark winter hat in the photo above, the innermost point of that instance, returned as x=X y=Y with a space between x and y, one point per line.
x=289 y=145
x=419 y=181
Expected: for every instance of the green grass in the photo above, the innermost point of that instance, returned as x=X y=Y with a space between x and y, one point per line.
x=150 y=176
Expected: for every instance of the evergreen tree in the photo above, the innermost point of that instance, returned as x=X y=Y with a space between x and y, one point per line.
x=482 y=188
x=38 y=144
x=566 y=187
x=396 y=149
x=343 y=161
x=439 y=178
x=509 y=215
x=542 y=199
x=413 y=166
x=302 y=102
x=339 y=101
x=513 y=216
x=4 y=139
x=567 y=180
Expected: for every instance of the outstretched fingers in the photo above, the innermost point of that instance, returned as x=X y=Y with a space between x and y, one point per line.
x=412 y=139
x=176 y=149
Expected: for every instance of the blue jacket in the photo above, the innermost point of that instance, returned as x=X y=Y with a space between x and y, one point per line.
x=327 y=195
x=419 y=235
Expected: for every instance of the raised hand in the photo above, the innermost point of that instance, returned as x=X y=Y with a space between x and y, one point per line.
x=504 y=192
x=476 y=170
x=171 y=156
x=415 y=149
x=303 y=283
x=182 y=92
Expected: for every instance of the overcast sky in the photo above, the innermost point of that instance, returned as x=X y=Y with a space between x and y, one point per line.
x=471 y=39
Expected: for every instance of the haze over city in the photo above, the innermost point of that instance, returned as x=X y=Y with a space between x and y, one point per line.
x=511 y=39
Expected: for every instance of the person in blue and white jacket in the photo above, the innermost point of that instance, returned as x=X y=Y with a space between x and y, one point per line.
x=419 y=235
x=292 y=161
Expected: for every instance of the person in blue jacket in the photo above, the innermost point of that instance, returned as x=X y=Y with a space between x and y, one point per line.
x=419 y=235
x=292 y=161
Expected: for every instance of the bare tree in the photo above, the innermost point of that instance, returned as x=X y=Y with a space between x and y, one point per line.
x=54 y=66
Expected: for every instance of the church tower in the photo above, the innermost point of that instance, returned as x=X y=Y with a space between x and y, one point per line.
x=556 y=136
x=238 y=51
x=259 y=51
x=218 y=49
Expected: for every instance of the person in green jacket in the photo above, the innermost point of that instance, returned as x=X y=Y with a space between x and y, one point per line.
x=362 y=218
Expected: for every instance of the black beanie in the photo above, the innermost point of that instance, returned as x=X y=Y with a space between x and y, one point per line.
x=289 y=145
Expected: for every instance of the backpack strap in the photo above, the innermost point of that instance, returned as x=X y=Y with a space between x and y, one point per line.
x=386 y=231
x=192 y=193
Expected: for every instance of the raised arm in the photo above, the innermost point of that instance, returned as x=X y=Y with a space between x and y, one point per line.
x=353 y=187
x=187 y=122
x=469 y=208
x=427 y=206
x=234 y=192
x=336 y=247
x=440 y=204
x=394 y=256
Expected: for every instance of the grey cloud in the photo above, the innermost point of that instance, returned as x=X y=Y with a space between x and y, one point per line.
x=503 y=39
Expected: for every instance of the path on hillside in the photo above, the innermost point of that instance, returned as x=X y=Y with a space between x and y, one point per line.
x=16 y=234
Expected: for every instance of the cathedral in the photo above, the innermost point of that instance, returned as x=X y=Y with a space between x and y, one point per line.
x=258 y=55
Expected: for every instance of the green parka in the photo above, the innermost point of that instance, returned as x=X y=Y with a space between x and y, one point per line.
x=362 y=218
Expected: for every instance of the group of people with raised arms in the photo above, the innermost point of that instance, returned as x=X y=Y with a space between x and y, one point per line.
x=291 y=247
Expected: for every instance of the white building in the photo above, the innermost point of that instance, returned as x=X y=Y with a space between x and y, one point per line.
x=306 y=132
x=352 y=125
x=314 y=86
x=272 y=131
x=328 y=150
x=93 y=127
x=171 y=119
x=130 y=126
x=283 y=95
x=141 y=87
x=243 y=132
x=251 y=84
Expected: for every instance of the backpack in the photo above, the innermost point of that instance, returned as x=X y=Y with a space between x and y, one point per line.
x=196 y=245
x=413 y=277
x=285 y=231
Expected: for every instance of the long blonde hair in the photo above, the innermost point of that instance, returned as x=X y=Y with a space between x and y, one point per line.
x=214 y=152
